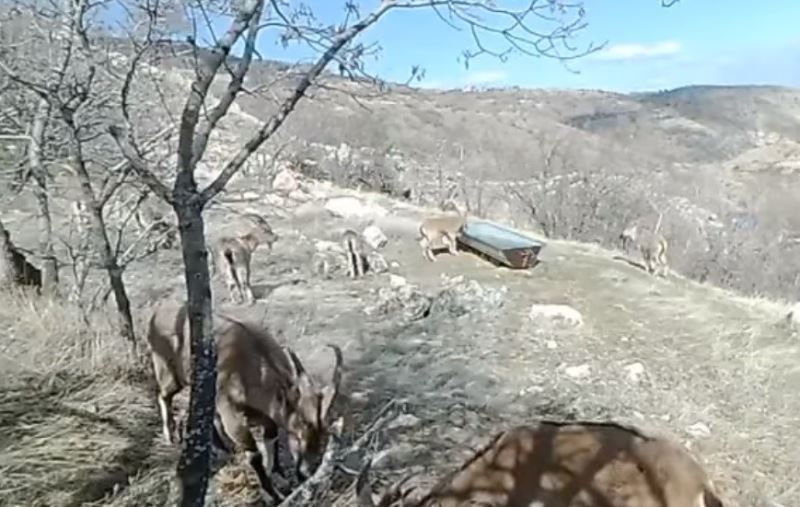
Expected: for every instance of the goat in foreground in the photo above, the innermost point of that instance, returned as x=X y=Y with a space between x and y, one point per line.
x=441 y=230
x=560 y=464
x=259 y=383
x=354 y=250
x=233 y=255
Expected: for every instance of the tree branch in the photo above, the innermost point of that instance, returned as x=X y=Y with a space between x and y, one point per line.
x=288 y=105
x=126 y=146
x=123 y=168
x=234 y=87
x=205 y=76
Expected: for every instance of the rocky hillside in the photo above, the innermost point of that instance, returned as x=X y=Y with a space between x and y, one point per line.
x=462 y=347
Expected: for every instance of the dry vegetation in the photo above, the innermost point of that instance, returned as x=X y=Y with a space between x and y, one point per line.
x=454 y=351
x=719 y=371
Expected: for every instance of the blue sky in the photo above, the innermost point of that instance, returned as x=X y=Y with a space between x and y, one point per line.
x=648 y=47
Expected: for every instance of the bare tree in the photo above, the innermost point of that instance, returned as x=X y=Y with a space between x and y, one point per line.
x=497 y=31
x=68 y=95
x=566 y=200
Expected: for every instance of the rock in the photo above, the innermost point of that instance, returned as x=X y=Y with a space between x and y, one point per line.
x=404 y=421
x=555 y=313
x=377 y=263
x=353 y=207
x=299 y=195
x=699 y=430
x=396 y=455
x=551 y=344
x=322 y=245
x=396 y=281
x=285 y=181
x=343 y=153
x=635 y=372
x=578 y=372
x=374 y=237
x=275 y=200
x=328 y=263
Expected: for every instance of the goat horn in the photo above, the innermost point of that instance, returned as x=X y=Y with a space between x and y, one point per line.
x=337 y=368
x=295 y=362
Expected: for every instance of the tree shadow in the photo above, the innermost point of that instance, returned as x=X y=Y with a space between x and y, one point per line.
x=263 y=290
x=30 y=413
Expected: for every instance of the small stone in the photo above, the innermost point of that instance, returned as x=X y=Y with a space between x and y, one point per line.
x=396 y=281
x=555 y=313
x=285 y=181
x=699 y=430
x=322 y=245
x=377 y=263
x=299 y=195
x=551 y=344
x=353 y=207
x=635 y=372
x=404 y=421
x=578 y=372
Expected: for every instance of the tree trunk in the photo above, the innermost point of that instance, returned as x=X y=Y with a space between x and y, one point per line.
x=194 y=465
x=44 y=220
x=101 y=245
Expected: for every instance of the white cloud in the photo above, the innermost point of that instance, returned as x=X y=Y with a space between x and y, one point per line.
x=484 y=77
x=622 y=52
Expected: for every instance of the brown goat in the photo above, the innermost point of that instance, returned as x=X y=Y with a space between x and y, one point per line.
x=233 y=255
x=259 y=383
x=567 y=464
x=441 y=230
x=651 y=245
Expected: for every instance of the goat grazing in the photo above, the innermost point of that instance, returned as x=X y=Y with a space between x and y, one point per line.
x=233 y=255
x=441 y=230
x=354 y=250
x=566 y=464
x=259 y=383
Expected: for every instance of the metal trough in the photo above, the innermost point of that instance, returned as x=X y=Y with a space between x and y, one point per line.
x=500 y=244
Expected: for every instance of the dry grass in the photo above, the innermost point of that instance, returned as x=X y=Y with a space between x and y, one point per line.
x=79 y=425
x=76 y=416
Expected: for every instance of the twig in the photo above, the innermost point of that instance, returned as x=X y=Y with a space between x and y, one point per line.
x=314 y=485
x=304 y=494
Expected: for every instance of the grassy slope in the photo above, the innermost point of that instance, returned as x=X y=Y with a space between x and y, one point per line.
x=75 y=422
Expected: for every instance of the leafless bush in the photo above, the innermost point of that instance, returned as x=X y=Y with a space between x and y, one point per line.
x=581 y=203
x=379 y=173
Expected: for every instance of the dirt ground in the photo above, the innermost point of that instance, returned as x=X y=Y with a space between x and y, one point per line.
x=714 y=370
